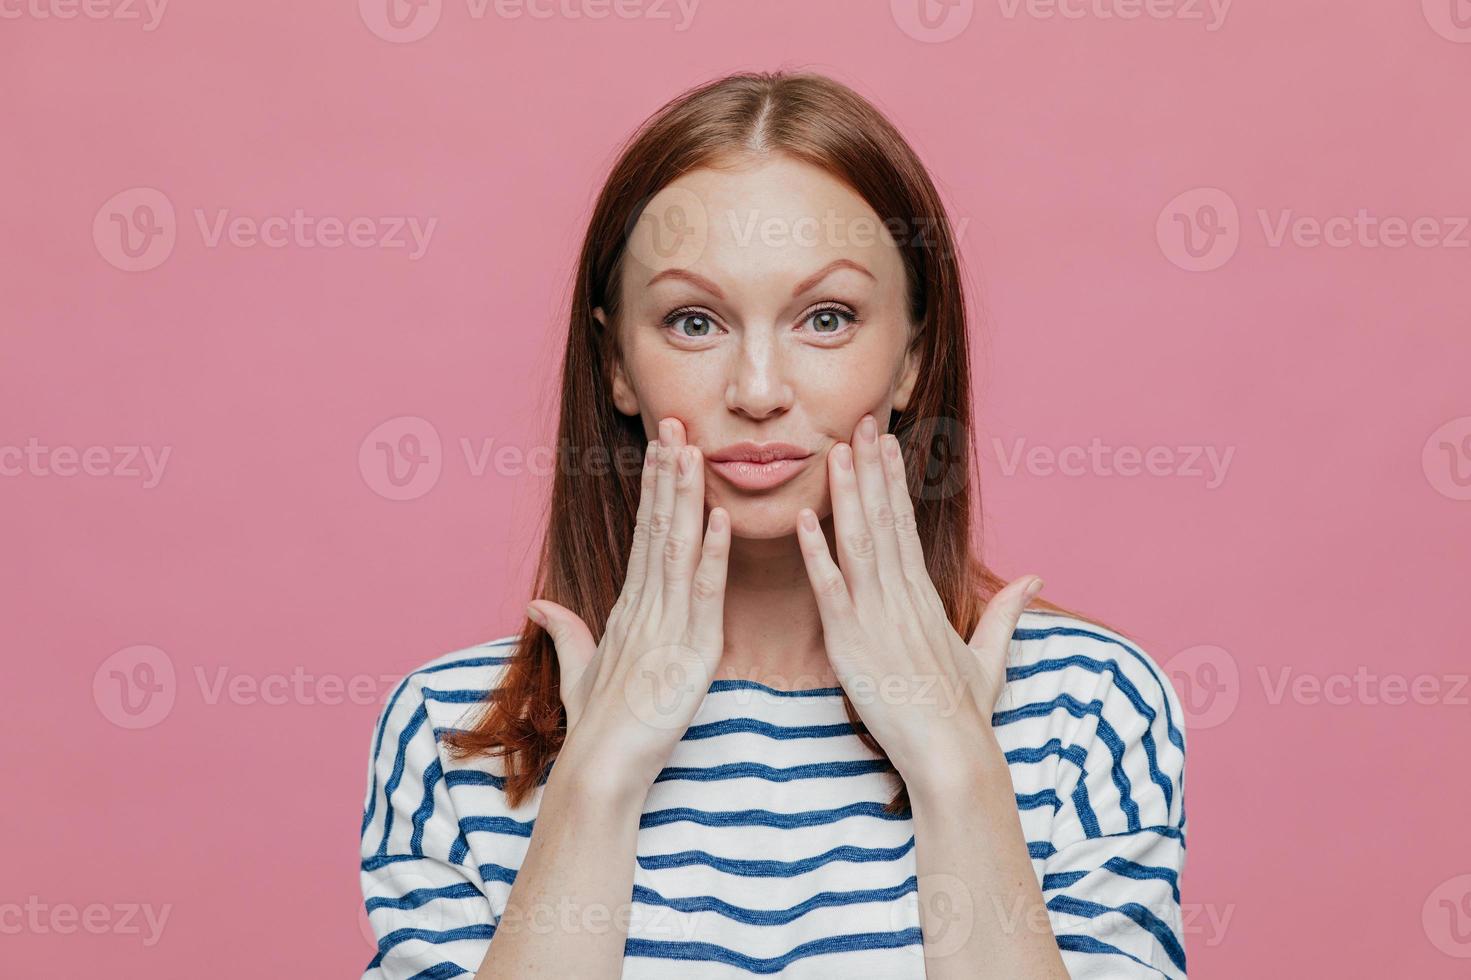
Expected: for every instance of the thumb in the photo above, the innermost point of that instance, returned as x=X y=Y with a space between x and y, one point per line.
x=570 y=636
x=998 y=621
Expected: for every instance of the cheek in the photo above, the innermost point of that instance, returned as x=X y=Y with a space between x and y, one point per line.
x=841 y=386
x=667 y=384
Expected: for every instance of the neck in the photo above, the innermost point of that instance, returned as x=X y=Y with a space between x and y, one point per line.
x=773 y=631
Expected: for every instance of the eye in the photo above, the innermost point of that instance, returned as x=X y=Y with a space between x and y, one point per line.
x=699 y=324
x=830 y=320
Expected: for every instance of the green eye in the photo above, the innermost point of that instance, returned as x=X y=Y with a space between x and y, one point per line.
x=831 y=319
x=700 y=326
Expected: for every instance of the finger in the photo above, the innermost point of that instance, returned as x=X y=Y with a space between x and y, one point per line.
x=851 y=533
x=873 y=489
x=841 y=632
x=663 y=515
x=682 y=549
x=998 y=620
x=906 y=527
x=571 y=639
x=707 y=590
x=639 y=552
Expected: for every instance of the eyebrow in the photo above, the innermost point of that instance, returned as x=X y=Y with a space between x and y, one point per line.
x=799 y=289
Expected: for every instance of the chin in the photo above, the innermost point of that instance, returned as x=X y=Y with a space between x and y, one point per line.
x=774 y=516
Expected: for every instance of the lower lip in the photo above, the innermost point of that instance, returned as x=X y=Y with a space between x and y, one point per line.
x=758 y=476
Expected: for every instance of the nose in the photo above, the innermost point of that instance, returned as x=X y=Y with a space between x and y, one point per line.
x=758 y=386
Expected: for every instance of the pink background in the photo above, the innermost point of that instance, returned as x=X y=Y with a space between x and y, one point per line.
x=1325 y=839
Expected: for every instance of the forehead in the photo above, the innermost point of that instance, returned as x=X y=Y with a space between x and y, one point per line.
x=773 y=217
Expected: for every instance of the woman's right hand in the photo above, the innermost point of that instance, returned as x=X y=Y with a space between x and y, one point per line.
x=630 y=697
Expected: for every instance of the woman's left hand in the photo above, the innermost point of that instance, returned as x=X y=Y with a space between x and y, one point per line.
x=924 y=692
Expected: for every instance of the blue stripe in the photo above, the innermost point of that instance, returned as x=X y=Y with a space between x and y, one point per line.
x=1087 y=944
x=709 y=952
x=393 y=700
x=774 y=917
x=1122 y=683
x=440 y=971
x=497 y=872
x=433 y=773
x=421 y=713
x=419 y=717
x=423 y=896
x=1175 y=737
x=1134 y=912
x=773 y=869
x=496 y=825
x=434 y=936
x=739 y=685
x=1075 y=754
x=755 y=770
x=1104 y=731
x=1121 y=867
x=754 y=726
x=765 y=818
x=1035 y=801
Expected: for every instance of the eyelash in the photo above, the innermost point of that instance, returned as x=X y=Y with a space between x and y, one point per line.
x=830 y=307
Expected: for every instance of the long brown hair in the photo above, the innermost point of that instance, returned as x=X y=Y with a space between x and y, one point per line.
x=584 y=555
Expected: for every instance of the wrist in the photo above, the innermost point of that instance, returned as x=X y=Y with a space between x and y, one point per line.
x=955 y=777
x=589 y=772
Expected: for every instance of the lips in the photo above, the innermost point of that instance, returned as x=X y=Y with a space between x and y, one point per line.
x=758 y=466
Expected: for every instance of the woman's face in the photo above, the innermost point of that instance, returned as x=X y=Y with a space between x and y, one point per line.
x=762 y=304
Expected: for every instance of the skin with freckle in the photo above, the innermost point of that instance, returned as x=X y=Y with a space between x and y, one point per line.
x=744 y=358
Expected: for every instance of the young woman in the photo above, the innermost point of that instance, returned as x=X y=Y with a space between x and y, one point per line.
x=770 y=714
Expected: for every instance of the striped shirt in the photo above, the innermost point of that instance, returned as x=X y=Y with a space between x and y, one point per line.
x=764 y=848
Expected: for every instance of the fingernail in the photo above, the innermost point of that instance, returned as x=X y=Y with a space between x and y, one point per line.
x=868 y=428
x=685 y=465
x=717 y=520
x=809 y=520
x=891 y=445
x=534 y=614
x=1034 y=588
x=666 y=430
x=845 y=456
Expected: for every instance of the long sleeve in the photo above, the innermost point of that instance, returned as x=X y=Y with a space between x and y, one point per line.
x=423 y=894
x=1112 y=875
